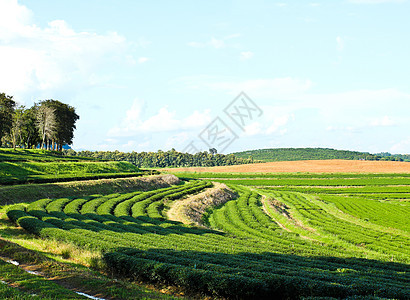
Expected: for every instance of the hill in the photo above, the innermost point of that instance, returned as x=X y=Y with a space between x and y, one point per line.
x=292 y=154
x=37 y=155
x=38 y=166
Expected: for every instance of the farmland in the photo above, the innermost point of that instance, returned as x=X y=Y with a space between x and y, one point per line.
x=39 y=166
x=308 y=166
x=292 y=235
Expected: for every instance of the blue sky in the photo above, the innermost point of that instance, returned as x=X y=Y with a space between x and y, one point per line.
x=149 y=75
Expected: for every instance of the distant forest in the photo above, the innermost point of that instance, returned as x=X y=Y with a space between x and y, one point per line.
x=163 y=159
x=289 y=154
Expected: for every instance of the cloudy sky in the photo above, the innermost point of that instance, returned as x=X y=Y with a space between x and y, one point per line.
x=149 y=75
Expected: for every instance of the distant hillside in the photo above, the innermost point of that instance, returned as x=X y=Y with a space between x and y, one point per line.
x=291 y=154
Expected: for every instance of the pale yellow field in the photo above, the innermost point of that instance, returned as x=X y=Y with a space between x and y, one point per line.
x=313 y=166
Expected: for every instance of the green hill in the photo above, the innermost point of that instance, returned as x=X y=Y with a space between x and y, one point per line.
x=291 y=154
x=37 y=155
x=36 y=166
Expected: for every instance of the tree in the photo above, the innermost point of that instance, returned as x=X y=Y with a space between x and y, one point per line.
x=46 y=123
x=18 y=123
x=213 y=151
x=65 y=117
x=7 y=105
x=30 y=132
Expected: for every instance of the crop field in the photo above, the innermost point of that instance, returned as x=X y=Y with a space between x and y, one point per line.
x=37 y=155
x=24 y=172
x=287 y=235
x=23 y=166
x=308 y=166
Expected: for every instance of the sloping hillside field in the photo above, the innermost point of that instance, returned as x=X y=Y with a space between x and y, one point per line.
x=283 y=236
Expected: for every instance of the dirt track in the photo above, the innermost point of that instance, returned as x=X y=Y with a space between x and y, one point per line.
x=312 y=166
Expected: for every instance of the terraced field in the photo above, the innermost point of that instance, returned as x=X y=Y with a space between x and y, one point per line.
x=289 y=235
x=22 y=166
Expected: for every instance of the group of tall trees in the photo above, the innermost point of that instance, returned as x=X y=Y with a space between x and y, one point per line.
x=49 y=124
x=161 y=159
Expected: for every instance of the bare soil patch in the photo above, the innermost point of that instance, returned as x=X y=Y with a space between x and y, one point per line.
x=310 y=166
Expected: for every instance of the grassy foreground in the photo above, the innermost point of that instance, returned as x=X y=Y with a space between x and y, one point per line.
x=291 y=235
x=272 y=239
x=63 y=266
x=56 y=275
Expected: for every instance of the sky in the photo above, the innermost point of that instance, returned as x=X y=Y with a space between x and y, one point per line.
x=229 y=75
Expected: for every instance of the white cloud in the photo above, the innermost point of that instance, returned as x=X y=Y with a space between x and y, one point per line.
x=217 y=44
x=383 y=121
x=246 y=55
x=177 y=140
x=53 y=58
x=141 y=60
x=197 y=119
x=350 y=113
x=277 y=124
x=402 y=146
x=163 y=121
x=340 y=43
x=273 y=122
x=252 y=129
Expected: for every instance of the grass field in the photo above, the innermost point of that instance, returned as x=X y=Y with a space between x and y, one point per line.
x=39 y=166
x=271 y=239
x=292 y=235
x=37 y=155
x=57 y=265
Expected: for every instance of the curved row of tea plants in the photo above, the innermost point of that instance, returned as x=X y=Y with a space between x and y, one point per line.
x=391 y=214
x=307 y=210
x=255 y=259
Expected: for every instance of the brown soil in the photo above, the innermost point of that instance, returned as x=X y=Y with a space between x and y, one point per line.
x=311 y=166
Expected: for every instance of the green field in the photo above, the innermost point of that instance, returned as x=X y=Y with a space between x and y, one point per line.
x=7 y=154
x=291 y=235
x=40 y=166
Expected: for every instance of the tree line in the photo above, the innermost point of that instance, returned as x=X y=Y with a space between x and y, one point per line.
x=161 y=159
x=49 y=124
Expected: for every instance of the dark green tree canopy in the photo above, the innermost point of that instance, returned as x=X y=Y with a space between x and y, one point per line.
x=7 y=105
